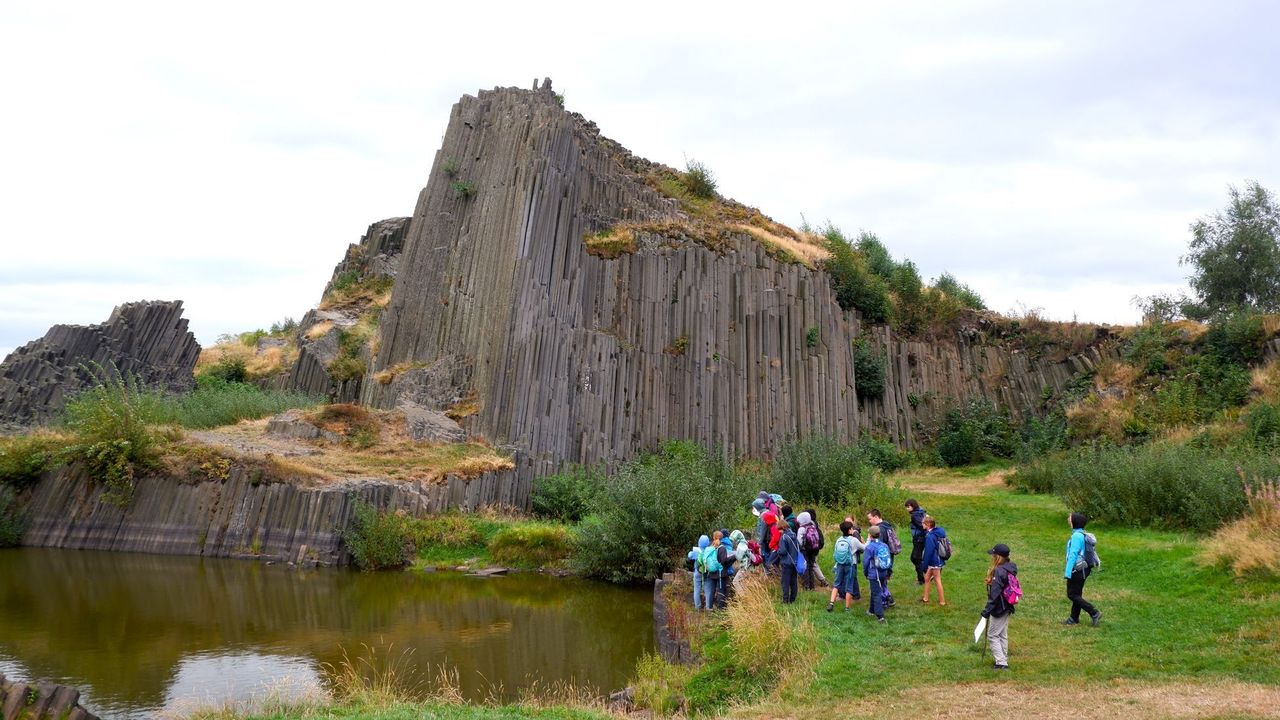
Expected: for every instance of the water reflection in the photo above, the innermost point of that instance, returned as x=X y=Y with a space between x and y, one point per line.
x=132 y=631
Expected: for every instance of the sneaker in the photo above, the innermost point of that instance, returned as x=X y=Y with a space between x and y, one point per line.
x=1097 y=618
x=1070 y=621
x=871 y=613
x=880 y=620
x=831 y=606
x=1001 y=667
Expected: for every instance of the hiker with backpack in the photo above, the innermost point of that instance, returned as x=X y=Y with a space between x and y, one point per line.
x=1003 y=593
x=787 y=557
x=695 y=564
x=937 y=550
x=822 y=542
x=810 y=543
x=917 y=538
x=845 y=573
x=1082 y=558
x=709 y=565
x=747 y=557
x=888 y=536
x=877 y=562
x=728 y=560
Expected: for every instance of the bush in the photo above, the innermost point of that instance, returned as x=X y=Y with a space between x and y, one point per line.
x=228 y=369
x=963 y=294
x=113 y=436
x=976 y=432
x=216 y=402
x=821 y=470
x=698 y=180
x=869 y=370
x=856 y=286
x=1262 y=425
x=12 y=522
x=1156 y=485
x=1237 y=337
x=450 y=530
x=647 y=515
x=25 y=457
x=531 y=546
x=882 y=454
x=566 y=495
x=376 y=540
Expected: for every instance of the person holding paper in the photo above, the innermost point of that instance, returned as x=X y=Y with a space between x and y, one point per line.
x=999 y=608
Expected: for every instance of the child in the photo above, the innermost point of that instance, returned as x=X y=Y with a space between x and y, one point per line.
x=845 y=572
x=1077 y=571
x=876 y=561
x=810 y=544
x=785 y=558
x=695 y=556
x=888 y=537
x=711 y=570
x=932 y=559
x=998 y=609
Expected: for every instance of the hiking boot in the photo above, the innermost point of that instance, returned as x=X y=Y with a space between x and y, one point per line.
x=1070 y=621
x=831 y=606
x=1097 y=618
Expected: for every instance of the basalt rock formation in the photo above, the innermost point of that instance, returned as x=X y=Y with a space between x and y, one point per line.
x=40 y=701
x=146 y=340
x=566 y=356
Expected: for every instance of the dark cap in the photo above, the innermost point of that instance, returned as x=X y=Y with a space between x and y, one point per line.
x=999 y=549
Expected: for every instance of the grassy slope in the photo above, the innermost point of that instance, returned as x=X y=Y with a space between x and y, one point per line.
x=1165 y=617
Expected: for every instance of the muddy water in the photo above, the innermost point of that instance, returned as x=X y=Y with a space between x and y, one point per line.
x=141 y=635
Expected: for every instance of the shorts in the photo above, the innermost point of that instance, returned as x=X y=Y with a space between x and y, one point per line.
x=845 y=577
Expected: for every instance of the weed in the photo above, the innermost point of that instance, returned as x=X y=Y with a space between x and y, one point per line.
x=1251 y=545
x=450 y=168
x=464 y=188
x=677 y=346
x=24 y=458
x=698 y=180
x=869 y=370
x=532 y=546
x=375 y=539
x=811 y=337
x=609 y=244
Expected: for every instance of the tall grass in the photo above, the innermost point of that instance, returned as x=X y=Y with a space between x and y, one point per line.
x=112 y=423
x=1251 y=545
x=376 y=540
x=216 y=402
x=531 y=545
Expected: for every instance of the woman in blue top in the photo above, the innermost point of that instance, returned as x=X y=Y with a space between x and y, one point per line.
x=1077 y=571
x=931 y=559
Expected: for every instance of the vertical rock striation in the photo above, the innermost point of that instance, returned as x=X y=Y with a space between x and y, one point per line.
x=147 y=340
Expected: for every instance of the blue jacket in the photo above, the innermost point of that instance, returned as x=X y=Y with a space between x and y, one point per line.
x=930 y=557
x=1075 y=551
x=917 y=524
x=869 y=558
x=788 y=547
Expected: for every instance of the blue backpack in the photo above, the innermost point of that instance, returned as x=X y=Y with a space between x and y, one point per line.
x=844 y=551
x=710 y=563
x=884 y=559
x=802 y=565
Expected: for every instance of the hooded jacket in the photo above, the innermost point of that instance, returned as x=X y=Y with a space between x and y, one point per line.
x=775 y=535
x=1075 y=551
x=931 y=538
x=996 y=605
x=739 y=542
x=917 y=524
x=788 y=547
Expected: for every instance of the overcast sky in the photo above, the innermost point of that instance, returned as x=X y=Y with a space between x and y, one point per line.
x=1050 y=155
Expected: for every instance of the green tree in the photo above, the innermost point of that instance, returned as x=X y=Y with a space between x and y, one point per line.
x=1235 y=254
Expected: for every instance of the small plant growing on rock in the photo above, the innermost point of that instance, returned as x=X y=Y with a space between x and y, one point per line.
x=698 y=180
x=811 y=337
x=677 y=346
x=450 y=168
x=464 y=188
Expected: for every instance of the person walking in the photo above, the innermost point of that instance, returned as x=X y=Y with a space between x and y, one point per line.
x=810 y=544
x=845 y=573
x=935 y=540
x=917 y=538
x=695 y=557
x=1077 y=572
x=1002 y=585
x=876 y=560
x=785 y=559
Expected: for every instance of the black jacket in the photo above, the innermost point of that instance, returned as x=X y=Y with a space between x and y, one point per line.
x=996 y=605
x=917 y=525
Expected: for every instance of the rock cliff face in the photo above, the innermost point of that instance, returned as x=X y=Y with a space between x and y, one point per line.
x=148 y=340
x=573 y=358
x=238 y=517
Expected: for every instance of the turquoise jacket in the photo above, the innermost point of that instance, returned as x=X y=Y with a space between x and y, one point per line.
x=1075 y=551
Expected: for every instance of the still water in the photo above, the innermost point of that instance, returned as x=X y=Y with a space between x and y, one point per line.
x=142 y=635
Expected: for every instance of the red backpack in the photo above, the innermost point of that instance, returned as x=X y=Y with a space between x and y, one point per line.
x=753 y=548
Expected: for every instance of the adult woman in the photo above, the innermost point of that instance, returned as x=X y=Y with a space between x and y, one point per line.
x=1077 y=572
x=931 y=559
x=999 y=609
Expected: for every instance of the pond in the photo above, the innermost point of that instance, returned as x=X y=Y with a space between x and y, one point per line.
x=141 y=635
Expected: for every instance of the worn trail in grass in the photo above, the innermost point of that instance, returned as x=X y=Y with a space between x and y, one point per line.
x=1166 y=617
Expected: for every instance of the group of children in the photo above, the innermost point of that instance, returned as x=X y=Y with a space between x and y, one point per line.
x=788 y=543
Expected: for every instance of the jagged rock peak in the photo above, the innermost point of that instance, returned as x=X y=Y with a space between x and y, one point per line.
x=148 y=340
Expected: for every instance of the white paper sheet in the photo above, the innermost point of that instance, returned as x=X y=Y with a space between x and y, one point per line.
x=980 y=629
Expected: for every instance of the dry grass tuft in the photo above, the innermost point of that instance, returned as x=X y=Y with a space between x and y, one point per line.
x=388 y=376
x=378 y=679
x=464 y=408
x=609 y=244
x=319 y=330
x=1265 y=381
x=1188 y=330
x=1099 y=416
x=793 y=247
x=1251 y=545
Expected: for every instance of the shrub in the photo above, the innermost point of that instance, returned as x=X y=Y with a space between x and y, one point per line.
x=376 y=540
x=12 y=522
x=1251 y=545
x=531 y=546
x=976 y=432
x=856 y=286
x=228 y=369
x=644 y=517
x=464 y=188
x=216 y=402
x=869 y=370
x=698 y=180
x=882 y=454
x=1262 y=425
x=113 y=436
x=566 y=495
x=659 y=685
x=964 y=294
x=821 y=470
x=1157 y=485
x=25 y=457
x=811 y=337
x=1040 y=436
x=1148 y=350
x=1237 y=337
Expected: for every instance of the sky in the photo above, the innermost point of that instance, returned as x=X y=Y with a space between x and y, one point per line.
x=1051 y=155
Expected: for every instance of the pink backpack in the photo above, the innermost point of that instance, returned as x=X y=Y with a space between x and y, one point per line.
x=1012 y=589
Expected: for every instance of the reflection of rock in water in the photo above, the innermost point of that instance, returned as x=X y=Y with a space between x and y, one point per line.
x=240 y=680
x=121 y=626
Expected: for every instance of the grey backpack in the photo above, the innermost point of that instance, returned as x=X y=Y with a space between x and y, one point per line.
x=1091 y=551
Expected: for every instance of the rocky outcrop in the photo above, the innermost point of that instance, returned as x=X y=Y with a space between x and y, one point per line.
x=241 y=516
x=40 y=701
x=145 y=340
x=571 y=357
